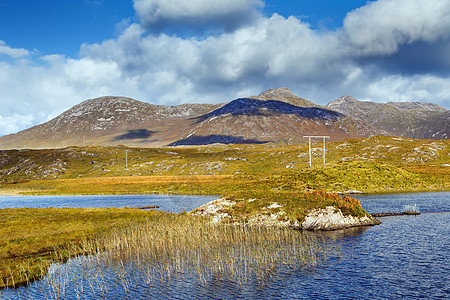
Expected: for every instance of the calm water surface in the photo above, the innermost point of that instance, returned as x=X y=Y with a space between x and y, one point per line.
x=405 y=257
x=170 y=203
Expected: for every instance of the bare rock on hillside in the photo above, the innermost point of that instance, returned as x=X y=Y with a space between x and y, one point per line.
x=284 y=94
x=332 y=218
x=405 y=119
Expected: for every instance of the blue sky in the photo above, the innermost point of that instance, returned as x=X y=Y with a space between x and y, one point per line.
x=57 y=53
x=61 y=26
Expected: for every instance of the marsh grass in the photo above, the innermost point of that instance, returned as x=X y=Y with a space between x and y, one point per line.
x=173 y=247
x=374 y=165
x=31 y=238
x=151 y=246
x=368 y=177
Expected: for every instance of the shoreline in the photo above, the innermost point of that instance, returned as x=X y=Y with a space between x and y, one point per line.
x=25 y=193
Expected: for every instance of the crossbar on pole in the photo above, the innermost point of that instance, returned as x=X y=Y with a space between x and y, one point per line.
x=309 y=145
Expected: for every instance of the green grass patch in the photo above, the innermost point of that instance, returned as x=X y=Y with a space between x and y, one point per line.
x=295 y=205
x=377 y=164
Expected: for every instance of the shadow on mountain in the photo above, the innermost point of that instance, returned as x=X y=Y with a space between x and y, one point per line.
x=254 y=107
x=215 y=138
x=135 y=134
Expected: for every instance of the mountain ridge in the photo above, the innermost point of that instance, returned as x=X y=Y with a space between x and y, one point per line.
x=276 y=115
x=405 y=119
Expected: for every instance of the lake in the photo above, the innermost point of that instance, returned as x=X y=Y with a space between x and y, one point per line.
x=169 y=203
x=404 y=257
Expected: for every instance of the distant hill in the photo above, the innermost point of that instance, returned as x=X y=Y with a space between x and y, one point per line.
x=406 y=119
x=285 y=95
x=261 y=121
x=108 y=121
x=276 y=116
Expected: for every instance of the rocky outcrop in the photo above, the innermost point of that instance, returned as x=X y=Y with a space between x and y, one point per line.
x=332 y=218
x=268 y=216
x=285 y=95
x=214 y=209
x=405 y=119
x=329 y=218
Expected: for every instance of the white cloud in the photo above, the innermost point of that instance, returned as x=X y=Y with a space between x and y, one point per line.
x=43 y=91
x=381 y=27
x=272 y=47
x=425 y=88
x=15 y=123
x=12 y=52
x=223 y=13
x=267 y=53
x=177 y=69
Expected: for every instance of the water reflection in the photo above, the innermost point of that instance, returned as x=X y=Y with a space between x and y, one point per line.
x=169 y=203
x=404 y=257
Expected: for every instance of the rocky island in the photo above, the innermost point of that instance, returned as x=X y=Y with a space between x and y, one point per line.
x=316 y=210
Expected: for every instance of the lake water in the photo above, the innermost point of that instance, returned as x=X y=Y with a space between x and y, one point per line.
x=169 y=203
x=404 y=257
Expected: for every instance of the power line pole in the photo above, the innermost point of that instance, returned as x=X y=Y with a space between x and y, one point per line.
x=309 y=146
x=310 y=156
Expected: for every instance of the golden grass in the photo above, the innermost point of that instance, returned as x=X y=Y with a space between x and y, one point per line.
x=362 y=164
x=157 y=244
x=29 y=236
x=169 y=246
x=378 y=164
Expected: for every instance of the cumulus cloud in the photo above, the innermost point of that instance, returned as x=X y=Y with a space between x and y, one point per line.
x=273 y=49
x=12 y=52
x=33 y=93
x=196 y=14
x=387 y=51
x=381 y=27
x=397 y=88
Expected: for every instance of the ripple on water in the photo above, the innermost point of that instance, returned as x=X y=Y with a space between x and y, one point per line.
x=404 y=257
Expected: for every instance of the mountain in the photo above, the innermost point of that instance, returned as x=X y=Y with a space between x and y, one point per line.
x=276 y=115
x=107 y=121
x=260 y=121
x=406 y=119
x=285 y=95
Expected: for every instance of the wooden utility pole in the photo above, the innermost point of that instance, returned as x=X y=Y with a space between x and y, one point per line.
x=309 y=146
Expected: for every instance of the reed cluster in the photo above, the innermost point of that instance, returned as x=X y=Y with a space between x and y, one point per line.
x=170 y=248
x=166 y=245
x=30 y=236
x=177 y=247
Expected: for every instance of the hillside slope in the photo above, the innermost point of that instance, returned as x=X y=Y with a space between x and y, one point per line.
x=248 y=120
x=107 y=121
x=377 y=164
x=406 y=119
x=275 y=116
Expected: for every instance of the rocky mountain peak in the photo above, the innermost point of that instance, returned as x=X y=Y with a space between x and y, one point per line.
x=406 y=119
x=277 y=94
x=284 y=94
x=106 y=105
x=344 y=102
x=346 y=98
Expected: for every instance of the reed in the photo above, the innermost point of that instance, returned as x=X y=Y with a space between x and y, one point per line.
x=410 y=209
x=169 y=245
x=176 y=247
x=31 y=238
